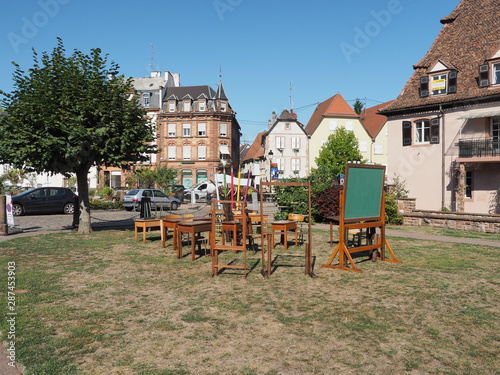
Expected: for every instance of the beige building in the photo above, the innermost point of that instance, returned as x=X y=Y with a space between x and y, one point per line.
x=444 y=128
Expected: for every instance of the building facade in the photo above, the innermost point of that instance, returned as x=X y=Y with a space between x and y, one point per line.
x=198 y=134
x=444 y=128
x=285 y=146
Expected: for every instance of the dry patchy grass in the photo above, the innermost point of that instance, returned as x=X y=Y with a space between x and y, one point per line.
x=103 y=304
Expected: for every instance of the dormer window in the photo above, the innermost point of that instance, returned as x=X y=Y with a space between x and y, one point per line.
x=438 y=84
x=186 y=105
x=223 y=107
x=440 y=80
x=495 y=73
x=146 y=99
x=171 y=106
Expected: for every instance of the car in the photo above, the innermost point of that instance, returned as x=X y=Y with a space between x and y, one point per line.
x=158 y=198
x=177 y=191
x=44 y=200
x=201 y=190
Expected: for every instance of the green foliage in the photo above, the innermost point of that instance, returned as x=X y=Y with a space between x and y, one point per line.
x=146 y=178
x=398 y=188
x=106 y=192
x=105 y=205
x=165 y=176
x=358 y=106
x=69 y=113
x=392 y=215
x=291 y=199
x=15 y=176
x=340 y=148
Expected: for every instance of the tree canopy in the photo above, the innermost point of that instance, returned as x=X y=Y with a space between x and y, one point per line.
x=341 y=147
x=68 y=113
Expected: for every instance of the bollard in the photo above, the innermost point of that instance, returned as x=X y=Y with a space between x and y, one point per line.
x=4 y=230
x=193 y=197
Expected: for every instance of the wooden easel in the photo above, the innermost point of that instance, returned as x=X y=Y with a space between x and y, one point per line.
x=366 y=214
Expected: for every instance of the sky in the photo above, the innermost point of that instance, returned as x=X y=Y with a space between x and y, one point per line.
x=270 y=54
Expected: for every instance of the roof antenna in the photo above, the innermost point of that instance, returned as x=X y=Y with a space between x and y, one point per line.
x=291 y=100
x=151 y=64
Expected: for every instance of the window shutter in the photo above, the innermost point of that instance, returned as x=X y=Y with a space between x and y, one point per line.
x=452 y=82
x=424 y=86
x=484 y=72
x=435 y=130
x=406 y=133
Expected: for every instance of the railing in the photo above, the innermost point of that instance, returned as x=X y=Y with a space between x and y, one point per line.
x=478 y=147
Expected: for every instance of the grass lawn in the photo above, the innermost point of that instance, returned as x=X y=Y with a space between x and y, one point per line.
x=104 y=304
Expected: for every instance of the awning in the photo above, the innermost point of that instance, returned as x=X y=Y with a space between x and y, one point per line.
x=224 y=149
x=480 y=114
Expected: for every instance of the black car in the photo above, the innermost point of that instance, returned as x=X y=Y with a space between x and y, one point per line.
x=44 y=200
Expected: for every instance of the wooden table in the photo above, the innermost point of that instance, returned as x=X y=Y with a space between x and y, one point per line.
x=191 y=227
x=284 y=227
x=167 y=224
x=144 y=224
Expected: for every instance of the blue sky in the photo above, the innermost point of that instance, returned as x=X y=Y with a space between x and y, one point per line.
x=358 y=48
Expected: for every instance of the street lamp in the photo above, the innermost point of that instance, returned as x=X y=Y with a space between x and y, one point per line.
x=270 y=157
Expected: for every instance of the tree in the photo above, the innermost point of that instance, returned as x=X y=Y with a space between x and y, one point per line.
x=68 y=113
x=340 y=148
x=358 y=106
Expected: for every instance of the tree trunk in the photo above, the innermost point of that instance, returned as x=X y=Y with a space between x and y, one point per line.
x=83 y=200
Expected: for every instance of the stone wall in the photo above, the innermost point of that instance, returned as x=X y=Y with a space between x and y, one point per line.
x=452 y=220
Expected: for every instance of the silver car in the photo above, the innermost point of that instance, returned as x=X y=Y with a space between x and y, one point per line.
x=158 y=198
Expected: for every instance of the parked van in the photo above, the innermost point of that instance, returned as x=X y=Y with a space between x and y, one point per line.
x=200 y=190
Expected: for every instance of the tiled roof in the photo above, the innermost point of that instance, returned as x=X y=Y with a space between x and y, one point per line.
x=256 y=150
x=336 y=106
x=193 y=91
x=469 y=37
x=148 y=83
x=372 y=120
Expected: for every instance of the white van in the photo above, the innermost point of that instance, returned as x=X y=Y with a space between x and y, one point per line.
x=201 y=190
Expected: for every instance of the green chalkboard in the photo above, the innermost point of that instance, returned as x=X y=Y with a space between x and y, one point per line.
x=364 y=186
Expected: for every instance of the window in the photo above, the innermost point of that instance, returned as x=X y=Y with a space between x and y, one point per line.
x=468 y=184
x=287 y=126
x=363 y=146
x=281 y=164
x=295 y=164
x=280 y=143
x=378 y=149
x=223 y=130
x=186 y=130
x=422 y=131
x=495 y=134
x=332 y=124
x=349 y=125
x=145 y=99
x=201 y=176
x=187 y=177
x=495 y=73
x=171 y=106
x=171 y=130
x=186 y=106
x=223 y=107
x=202 y=106
x=296 y=143
x=438 y=84
x=202 y=130
x=186 y=152
x=171 y=153
x=202 y=152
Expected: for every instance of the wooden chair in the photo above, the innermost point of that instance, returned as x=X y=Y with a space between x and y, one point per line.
x=300 y=225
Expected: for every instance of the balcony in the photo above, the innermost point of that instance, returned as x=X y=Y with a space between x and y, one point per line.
x=478 y=148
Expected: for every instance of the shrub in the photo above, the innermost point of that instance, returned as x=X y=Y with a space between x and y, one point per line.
x=392 y=215
x=105 y=205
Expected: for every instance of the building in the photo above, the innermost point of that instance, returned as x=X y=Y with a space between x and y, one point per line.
x=150 y=92
x=329 y=115
x=286 y=145
x=198 y=134
x=444 y=128
x=373 y=143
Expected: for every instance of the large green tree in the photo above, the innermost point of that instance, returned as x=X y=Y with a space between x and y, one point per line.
x=341 y=147
x=70 y=112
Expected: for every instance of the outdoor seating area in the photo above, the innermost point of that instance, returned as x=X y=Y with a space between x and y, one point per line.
x=227 y=233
